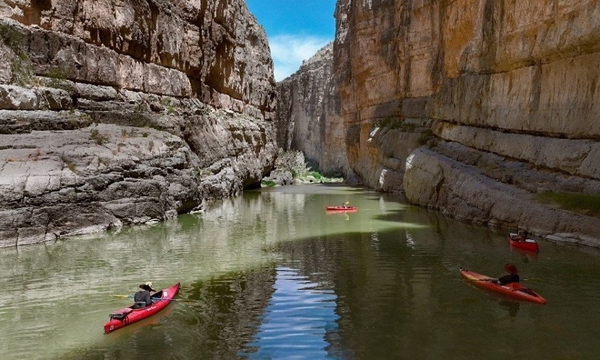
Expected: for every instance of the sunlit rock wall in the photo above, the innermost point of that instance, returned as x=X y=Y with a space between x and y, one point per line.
x=505 y=95
x=128 y=111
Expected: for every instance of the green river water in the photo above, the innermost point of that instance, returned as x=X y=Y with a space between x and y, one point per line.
x=271 y=275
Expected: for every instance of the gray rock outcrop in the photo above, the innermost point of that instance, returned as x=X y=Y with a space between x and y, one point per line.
x=309 y=113
x=118 y=112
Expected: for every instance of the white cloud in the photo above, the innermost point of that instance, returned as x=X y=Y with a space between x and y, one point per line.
x=288 y=51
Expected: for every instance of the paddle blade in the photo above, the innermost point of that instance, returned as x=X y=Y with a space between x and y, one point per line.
x=122 y=296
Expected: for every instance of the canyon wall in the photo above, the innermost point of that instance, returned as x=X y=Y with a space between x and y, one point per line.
x=308 y=109
x=120 y=112
x=474 y=107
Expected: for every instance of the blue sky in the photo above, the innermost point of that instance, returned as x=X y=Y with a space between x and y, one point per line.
x=296 y=29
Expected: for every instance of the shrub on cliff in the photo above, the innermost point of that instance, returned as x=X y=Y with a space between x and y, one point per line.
x=291 y=167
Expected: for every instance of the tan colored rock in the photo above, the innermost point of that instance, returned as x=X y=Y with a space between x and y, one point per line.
x=516 y=80
x=106 y=42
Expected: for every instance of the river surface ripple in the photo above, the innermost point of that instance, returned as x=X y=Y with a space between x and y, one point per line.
x=271 y=275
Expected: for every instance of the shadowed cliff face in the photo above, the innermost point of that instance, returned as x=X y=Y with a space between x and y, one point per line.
x=128 y=111
x=308 y=109
x=503 y=95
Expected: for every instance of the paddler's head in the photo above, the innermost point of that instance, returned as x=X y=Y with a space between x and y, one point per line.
x=511 y=268
x=147 y=286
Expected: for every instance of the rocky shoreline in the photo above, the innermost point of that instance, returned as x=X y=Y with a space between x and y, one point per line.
x=62 y=173
x=130 y=114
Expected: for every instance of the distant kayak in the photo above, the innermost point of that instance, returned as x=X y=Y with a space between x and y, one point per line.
x=520 y=242
x=514 y=290
x=129 y=315
x=341 y=208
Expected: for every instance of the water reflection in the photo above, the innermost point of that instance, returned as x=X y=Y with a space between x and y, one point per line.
x=512 y=307
x=298 y=321
x=526 y=256
x=383 y=285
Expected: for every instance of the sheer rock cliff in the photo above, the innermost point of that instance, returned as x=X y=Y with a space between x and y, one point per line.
x=308 y=108
x=120 y=112
x=470 y=107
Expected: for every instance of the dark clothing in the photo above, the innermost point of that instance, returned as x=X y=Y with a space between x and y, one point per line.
x=509 y=278
x=143 y=298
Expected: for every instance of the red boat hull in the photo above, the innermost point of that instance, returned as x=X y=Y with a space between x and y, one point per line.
x=341 y=209
x=523 y=243
x=127 y=316
x=514 y=290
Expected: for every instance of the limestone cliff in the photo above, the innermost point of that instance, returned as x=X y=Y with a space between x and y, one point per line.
x=308 y=110
x=128 y=111
x=474 y=107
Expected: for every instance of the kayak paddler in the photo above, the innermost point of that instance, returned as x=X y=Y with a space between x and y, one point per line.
x=142 y=298
x=511 y=277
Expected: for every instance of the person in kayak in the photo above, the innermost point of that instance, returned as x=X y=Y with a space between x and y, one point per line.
x=346 y=204
x=522 y=235
x=142 y=298
x=511 y=277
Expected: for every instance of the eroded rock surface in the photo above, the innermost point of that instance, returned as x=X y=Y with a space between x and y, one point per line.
x=125 y=112
x=504 y=95
x=308 y=108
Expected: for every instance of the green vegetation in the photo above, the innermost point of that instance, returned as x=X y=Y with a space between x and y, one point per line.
x=169 y=103
x=396 y=123
x=58 y=73
x=12 y=37
x=21 y=64
x=22 y=69
x=268 y=183
x=388 y=123
x=580 y=203
x=294 y=164
x=97 y=137
x=317 y=175
x=57 y=76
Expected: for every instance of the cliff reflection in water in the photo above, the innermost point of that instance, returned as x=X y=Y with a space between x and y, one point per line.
x=270 y=272
x=299 y=321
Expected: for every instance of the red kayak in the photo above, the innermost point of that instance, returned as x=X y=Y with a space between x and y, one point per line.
x=523 y=243
x=341 y=208
x=514 y=290
x=126 y=316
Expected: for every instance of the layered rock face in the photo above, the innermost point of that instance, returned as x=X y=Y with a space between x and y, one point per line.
x=128 y=111
x=506 y=94
x=473 y=107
